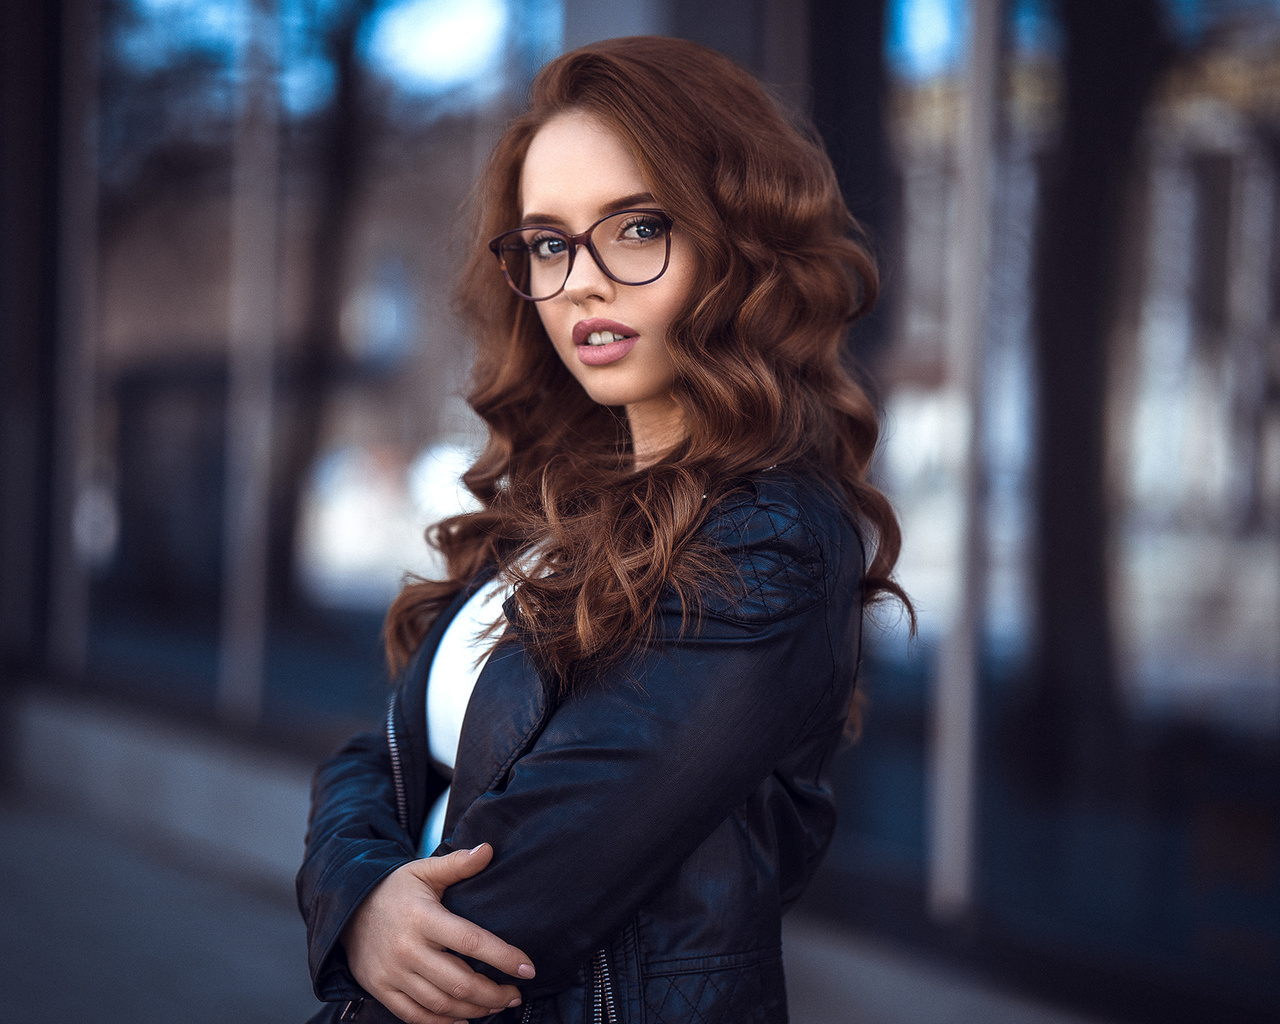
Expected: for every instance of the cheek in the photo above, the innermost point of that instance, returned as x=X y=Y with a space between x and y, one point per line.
x=666 y=312
x=553 y=325
x=679 y=287
x=541 y=307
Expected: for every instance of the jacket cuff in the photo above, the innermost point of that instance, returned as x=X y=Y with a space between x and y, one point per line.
x=344 y=892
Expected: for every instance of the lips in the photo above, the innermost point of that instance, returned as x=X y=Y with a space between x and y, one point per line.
x=599 y=342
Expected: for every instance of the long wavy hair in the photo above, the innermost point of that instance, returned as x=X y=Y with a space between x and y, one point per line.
x=781 y=270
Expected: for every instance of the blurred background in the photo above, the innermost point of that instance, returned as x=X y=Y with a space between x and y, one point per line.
x=230 y=404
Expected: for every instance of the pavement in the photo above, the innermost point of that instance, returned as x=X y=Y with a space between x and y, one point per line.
x=99 y=929
x=106 y=918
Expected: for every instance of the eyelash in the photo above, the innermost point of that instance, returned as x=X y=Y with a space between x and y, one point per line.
x=647 y=220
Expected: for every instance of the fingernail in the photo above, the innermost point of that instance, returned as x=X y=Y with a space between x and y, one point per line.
x=525 y=970
x=514 y=1002
x=471 y=853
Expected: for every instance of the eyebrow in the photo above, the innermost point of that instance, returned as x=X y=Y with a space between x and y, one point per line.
x=622 y=203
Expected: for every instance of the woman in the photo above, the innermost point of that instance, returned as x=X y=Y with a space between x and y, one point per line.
x=678 y=525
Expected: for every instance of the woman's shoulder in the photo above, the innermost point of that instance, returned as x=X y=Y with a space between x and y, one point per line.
x=781 y=508
x=790 y=537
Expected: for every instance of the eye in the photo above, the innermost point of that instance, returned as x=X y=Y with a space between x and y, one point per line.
x=642 y=228
x=547 y=246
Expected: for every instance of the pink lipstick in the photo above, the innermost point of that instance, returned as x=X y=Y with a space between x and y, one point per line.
x=600 y=342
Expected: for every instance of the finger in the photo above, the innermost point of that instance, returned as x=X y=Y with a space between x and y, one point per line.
x=452 y=1000
x=411 y=1011
x=462 y=936
x=442 y=872
x=445 y=989
x=448 y=975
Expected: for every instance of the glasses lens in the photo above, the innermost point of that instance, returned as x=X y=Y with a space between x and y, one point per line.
x=633 y=246
x=536 y=261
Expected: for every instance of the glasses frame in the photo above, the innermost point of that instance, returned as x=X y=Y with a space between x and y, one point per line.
x=583 y=239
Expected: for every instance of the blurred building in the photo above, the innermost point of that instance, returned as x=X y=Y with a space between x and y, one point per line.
x=232 y=404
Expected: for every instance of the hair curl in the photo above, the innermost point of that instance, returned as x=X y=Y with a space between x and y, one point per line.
x=781 y=270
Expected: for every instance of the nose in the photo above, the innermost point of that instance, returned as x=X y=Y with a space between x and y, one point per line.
x=586 y=280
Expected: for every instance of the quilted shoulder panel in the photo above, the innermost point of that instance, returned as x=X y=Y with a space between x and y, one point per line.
x=776 y=547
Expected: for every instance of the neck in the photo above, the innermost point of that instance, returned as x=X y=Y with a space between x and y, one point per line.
x=657 y=426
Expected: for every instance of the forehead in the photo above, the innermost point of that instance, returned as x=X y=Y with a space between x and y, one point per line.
x=575 y=167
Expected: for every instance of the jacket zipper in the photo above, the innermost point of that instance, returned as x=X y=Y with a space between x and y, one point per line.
x=397 y=774
x=604 y=1011
x=351 y=1011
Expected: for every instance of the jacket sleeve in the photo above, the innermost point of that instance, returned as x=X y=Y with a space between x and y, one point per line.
x=354 y=840
x=628 y=778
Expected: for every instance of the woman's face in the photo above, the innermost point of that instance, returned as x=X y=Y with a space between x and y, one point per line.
x=576 y=172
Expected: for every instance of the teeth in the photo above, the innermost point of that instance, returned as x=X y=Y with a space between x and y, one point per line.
x=603 y=337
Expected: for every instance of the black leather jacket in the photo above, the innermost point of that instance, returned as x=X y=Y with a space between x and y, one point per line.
x=648 y=833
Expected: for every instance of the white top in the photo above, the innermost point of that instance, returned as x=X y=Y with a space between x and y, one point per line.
x=462 y=653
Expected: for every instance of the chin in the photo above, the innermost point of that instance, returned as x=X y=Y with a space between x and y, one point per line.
x=615 y=397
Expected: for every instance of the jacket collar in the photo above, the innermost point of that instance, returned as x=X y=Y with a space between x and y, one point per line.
x=409 y=710
x=508 y=709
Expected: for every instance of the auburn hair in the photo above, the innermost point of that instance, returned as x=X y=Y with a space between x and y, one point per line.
x=781 y=270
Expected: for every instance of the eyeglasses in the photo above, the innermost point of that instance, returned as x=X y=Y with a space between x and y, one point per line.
x=630 y=247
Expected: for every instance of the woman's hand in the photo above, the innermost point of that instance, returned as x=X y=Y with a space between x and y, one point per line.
x=398 y=939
